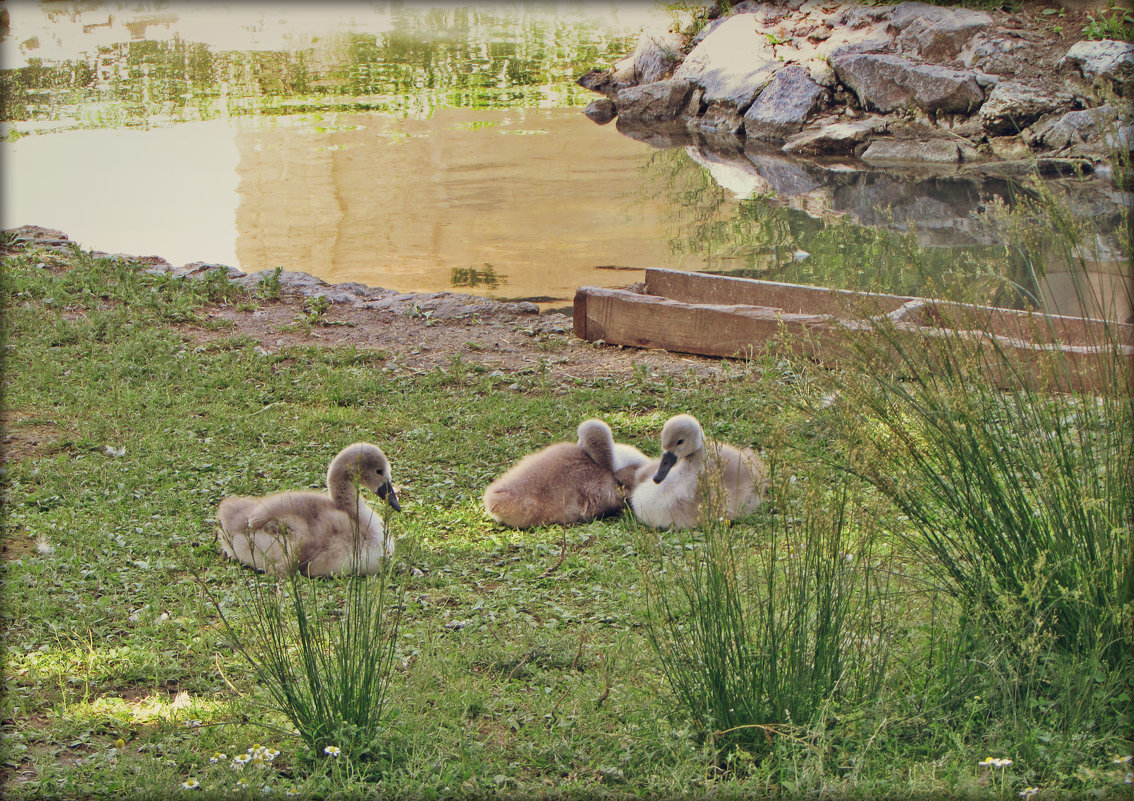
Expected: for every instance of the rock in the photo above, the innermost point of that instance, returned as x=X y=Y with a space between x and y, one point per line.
x=657 y=53
x=1074 y=127
x=199 y=269
x=1103 y=61
x=600 y=81
x=1012 y=106
x=786 y=103
x=996 y=56
x=936 y=33
x=734 y=62
x=720 y=116
x=43 y=237
x=835 y=139
x=887 y=83
x=660 y=101
x=601 y=111
x=1009 y=148
x=936 y=151
x=1121 y=140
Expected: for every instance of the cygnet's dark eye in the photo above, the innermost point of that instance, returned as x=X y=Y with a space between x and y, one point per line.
x=680 y=440
x=379 y=471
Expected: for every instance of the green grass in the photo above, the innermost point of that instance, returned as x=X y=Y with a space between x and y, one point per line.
x=523 y=663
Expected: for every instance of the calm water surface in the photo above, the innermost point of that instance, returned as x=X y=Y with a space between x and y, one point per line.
x=424 y=148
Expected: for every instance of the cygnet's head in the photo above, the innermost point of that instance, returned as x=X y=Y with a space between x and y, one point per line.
x=368 y=465
x=681 y=436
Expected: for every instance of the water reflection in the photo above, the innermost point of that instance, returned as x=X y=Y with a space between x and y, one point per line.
x=423 y=148
x=94 y=64
x=1016 y=241
x=542 y=196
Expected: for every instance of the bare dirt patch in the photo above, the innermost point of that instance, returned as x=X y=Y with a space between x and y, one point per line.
x=494 y=337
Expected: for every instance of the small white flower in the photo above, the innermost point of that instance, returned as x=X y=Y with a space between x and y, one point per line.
x=291 y=791
x=1028 y=792
x=242 y=782
x=1129 y=778
x=218 y=757
x=193 y=724
x=1123 y=760
x=332 y=750
x=996 y=762
x=110 y=450
x=191 y=784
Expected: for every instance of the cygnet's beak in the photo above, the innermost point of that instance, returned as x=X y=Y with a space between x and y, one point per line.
x=668 y=460
x=386 y=491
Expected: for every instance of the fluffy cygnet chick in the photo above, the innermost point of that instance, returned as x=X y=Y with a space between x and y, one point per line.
x=315 y=533
x=692 y=473
x=565 y=482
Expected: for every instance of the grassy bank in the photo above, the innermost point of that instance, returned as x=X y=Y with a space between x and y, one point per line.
x=530 y=664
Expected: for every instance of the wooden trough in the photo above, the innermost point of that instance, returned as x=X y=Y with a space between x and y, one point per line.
x=739 y=317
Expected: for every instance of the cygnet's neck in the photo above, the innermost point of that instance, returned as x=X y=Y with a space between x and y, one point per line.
x=343 y=489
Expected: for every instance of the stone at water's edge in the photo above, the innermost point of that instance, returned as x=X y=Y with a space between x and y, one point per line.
x=889 y=83
x=660 y=101
x=839 y=139
x=788 y=70
x=601 y=111
x=938 y=151
x=785 y=105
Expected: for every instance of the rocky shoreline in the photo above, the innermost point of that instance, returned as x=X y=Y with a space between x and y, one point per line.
x=910 y=84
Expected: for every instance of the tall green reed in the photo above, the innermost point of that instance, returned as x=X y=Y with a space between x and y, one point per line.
x=324 y=650
x=1015 y=469
x=756 y=629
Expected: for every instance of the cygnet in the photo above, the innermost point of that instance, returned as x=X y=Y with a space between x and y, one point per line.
x=692 y=474
x=315 y=533
x=566 y=482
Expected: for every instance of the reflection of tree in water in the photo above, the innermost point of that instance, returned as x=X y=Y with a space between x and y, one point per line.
x=471 y=277
x=764 y=237
x=470 y=58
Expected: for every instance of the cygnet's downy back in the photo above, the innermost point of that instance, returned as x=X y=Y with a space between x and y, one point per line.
x=564 y=483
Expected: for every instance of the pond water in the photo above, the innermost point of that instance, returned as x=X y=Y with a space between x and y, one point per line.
x=425 y=148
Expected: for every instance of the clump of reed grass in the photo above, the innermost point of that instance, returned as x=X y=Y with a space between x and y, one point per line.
x=323 y=650
x=1017 y=485
x=757 y=630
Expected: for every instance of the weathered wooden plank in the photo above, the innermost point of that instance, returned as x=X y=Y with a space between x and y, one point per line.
x=738 y=331
x=646 y=321
x=795 y=298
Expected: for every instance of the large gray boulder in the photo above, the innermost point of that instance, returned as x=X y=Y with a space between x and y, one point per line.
x=786 y=103
x=936 y=33
x=734 y=62
x=660 y=101
x=1011 y=107
x=1106 y=60
x=888 y=83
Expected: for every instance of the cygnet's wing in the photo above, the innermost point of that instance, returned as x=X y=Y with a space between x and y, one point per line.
x=293 y=510
x=234 y=512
